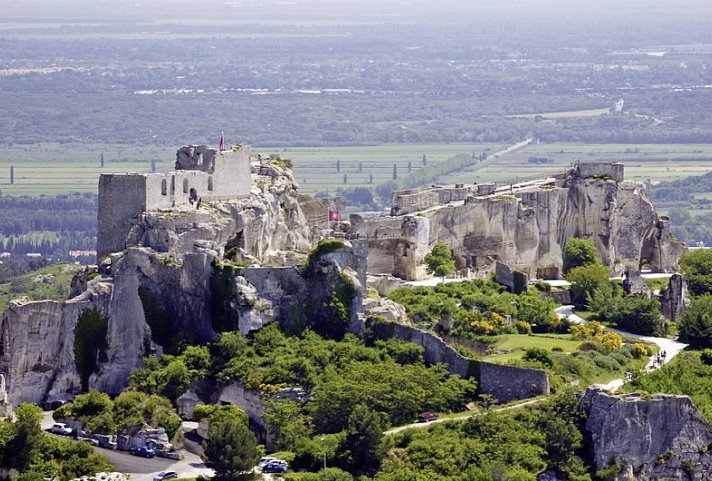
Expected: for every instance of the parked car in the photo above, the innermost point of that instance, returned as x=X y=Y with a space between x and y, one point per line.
x=165 y=475
x=426 y=417
x=275 y=466
x=264 y=460
x=57 y=404
x=61 y=429
x=143 y=451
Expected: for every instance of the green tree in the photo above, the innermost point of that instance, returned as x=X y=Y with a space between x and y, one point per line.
x=363 y=439
x=580 y=252
x=585 y=281
x=439 y=261
x=89 y=342
x=695 y=324
x=696 y=265
x=231 y=449
x=287 y=424
x=639 y=314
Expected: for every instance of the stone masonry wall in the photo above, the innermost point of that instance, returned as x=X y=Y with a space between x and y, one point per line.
x=614 y=170
x=121 y=197
x=504 y=383
x=509 y=383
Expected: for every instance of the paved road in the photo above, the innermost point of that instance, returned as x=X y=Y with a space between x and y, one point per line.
x=462 y=416
x=142 y=469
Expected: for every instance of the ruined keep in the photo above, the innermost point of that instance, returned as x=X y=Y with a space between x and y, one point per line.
x=523 y=225
x=202 y=173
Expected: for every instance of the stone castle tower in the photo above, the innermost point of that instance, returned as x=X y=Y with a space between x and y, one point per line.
x=201 y=173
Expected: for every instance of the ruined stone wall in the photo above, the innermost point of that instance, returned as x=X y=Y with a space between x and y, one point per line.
x=414 y=200
x=503 y=383
x=509 y=383
x=396 y=245
x=527 y=230
x=612 y=170
x=227 y=175
x=121 y=198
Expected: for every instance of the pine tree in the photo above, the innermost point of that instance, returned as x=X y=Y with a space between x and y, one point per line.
x=346 y=179
x=395 y=172
x=338 y=166
x=153 y=165
x=370 y=178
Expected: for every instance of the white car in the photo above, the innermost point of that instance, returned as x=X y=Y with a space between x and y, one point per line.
x=61 y=428
x=165 y=475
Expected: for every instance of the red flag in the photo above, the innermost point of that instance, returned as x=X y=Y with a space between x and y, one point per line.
x=333 y=215
x=221 y=145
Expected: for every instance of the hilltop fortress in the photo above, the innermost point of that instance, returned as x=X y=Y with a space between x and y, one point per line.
x=215 y=245
x=202 y=174
x=522 y=225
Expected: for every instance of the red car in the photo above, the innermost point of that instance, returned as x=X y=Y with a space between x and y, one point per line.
x=426 y=417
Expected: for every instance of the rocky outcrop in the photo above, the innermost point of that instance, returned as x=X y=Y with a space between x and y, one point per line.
x=634 y=284
x=526 y=228
x=651 y=438
x=162 y=284
x=676 y=297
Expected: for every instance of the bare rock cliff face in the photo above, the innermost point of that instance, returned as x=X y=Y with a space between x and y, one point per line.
x=167 y=262
x=662 y=438
x=527 y=229
x=37 y=342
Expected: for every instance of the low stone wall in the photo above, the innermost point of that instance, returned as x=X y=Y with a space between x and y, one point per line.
x=504 y=383
x=509 y=383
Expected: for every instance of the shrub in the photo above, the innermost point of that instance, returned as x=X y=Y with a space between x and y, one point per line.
x=89 y=343
x=540 y=355
x=523 y=327
x=639 y=350
x=557 y=349
x=706 y=357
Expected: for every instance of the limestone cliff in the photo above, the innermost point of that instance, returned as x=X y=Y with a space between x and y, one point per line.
x=662 y=438
x=161 y=285
x=525 y=227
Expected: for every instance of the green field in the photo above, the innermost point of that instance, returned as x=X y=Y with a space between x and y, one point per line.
x=513 y=346
x=49 y=283
x=63 y=168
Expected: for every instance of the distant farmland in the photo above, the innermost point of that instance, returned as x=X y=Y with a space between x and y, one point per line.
x=63 y=168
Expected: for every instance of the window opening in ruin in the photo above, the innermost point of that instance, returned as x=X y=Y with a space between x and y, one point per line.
x=210 y=182
x=164 y=187
x=193 y=195
x=185 y=186
x=405 y=251
x=235 y=243
x=173 y=185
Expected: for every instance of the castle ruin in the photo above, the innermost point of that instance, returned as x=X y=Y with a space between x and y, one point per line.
x=522 y=225
x=202 y=173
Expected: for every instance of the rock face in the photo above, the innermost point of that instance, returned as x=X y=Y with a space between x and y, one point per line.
x=676 y=298
x=165 y=273
x=658 y=438
x=525 y=228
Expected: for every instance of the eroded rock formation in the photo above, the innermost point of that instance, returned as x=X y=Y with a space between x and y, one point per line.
x=662 y=438
x=525 y=227
x=161 y=284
